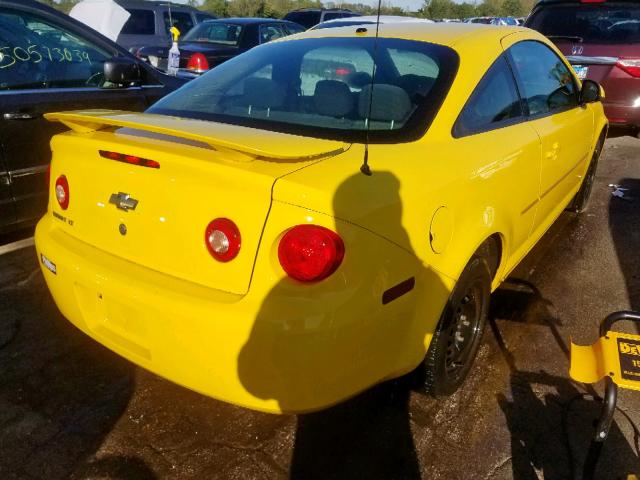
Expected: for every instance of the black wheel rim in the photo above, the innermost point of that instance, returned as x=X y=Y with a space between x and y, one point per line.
x=463 y=331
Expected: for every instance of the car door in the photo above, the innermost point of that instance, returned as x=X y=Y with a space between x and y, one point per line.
x=46 y=66
x=565 y=127
x=7 y=208
x=507 y=171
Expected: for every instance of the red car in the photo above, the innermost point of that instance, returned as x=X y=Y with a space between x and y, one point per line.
x=601 y=39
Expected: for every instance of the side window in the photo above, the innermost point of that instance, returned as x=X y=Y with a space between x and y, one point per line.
x=271 y=32
x=202 y=17
x=140 y=22
x=332 y=16
x=294 y=28
x=181 y=20
x=35 y=53
x=494 y=103
x=547 y=83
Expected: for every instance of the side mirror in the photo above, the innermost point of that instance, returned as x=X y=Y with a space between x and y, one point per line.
x=122 y=71
x=590 y=92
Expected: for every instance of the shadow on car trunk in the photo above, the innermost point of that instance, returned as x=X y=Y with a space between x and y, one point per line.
x=60 y=392
x=551 y=418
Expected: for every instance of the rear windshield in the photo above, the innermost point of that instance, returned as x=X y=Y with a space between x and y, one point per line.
x=612 y=23
x=214 y=32
x=323 y=87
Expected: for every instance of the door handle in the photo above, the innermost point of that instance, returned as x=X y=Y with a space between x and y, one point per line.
x=20 y=116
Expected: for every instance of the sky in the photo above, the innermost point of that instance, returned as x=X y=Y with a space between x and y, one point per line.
x=406 y=4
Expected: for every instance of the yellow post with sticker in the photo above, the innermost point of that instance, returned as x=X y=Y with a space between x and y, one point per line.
x=615 y=356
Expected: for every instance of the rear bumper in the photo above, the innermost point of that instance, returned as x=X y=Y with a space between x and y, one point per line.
x=263 y=351
x=622 y=115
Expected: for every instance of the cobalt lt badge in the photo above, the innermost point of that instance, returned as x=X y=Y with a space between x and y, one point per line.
x=123 y=201
x=577 y=50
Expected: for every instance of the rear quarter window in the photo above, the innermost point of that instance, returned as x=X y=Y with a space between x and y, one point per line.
x=141 y=22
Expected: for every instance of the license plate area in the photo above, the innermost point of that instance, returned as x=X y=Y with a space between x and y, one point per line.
x=581 y=71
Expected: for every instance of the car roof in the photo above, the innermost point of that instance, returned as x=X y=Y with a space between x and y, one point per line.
x=150 y=4
x=374 y=18
x=246 y=20
x=315 y=9
x=448 y=34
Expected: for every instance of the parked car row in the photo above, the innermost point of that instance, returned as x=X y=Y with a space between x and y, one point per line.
x=601 y=39
x=51 y=62
x=215 y=41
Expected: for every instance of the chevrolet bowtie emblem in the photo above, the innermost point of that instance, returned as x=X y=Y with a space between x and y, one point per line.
x=123 y=201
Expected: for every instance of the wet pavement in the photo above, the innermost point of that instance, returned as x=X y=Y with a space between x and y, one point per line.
x=69 y=408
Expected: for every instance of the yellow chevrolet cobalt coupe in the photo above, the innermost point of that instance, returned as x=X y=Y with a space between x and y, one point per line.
x=321 y=213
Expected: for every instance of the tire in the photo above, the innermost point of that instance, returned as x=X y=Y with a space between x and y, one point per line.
x=581 y=200
x=457 y=338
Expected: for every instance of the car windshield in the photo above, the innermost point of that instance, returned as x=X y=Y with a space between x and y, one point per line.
x=323 y=87
x=214 y=32
x=613 y=23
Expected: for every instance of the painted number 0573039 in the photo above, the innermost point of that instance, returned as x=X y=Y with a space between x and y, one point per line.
x=10 y=56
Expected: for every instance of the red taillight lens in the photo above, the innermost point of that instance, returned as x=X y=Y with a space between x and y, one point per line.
x=310 y=253
x=198 y=63
x=62 y=192
x=222 y=239
x=630 y=65
x=130 y=159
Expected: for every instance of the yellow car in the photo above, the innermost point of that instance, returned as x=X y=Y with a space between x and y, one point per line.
x=321 y=213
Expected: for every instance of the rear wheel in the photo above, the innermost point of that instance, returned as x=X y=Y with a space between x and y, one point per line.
x=459 y=332
x=581 y=200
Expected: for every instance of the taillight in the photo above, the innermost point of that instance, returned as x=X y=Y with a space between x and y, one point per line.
x=310 y=253
x=62 y=192
x=130 y=159
x=630 y=65
x=198 y=63
x=222 y=238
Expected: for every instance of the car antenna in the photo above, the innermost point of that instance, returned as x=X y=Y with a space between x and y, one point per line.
x=364 y=168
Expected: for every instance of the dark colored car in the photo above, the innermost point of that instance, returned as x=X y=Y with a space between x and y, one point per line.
x=150 y=22
x=308 y=17
x=601 y=39
x=51 y=62
x=215 y=41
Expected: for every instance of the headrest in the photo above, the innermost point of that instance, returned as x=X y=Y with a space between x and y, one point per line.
x=263 y=93
x=333 y=98
x=388 y=103
x=416 y=84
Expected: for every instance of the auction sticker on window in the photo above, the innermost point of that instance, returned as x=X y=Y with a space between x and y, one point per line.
x=629 y=354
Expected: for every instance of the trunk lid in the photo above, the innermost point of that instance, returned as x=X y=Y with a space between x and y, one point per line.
x=207 y=171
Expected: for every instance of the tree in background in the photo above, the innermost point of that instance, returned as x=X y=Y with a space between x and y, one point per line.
x=438 y=9
x=63 y=5
x=512 y=8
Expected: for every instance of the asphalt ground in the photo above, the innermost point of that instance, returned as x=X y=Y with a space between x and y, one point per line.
x=69 y=408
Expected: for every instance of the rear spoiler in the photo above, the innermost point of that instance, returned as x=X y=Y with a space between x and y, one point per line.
x=250 y=142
